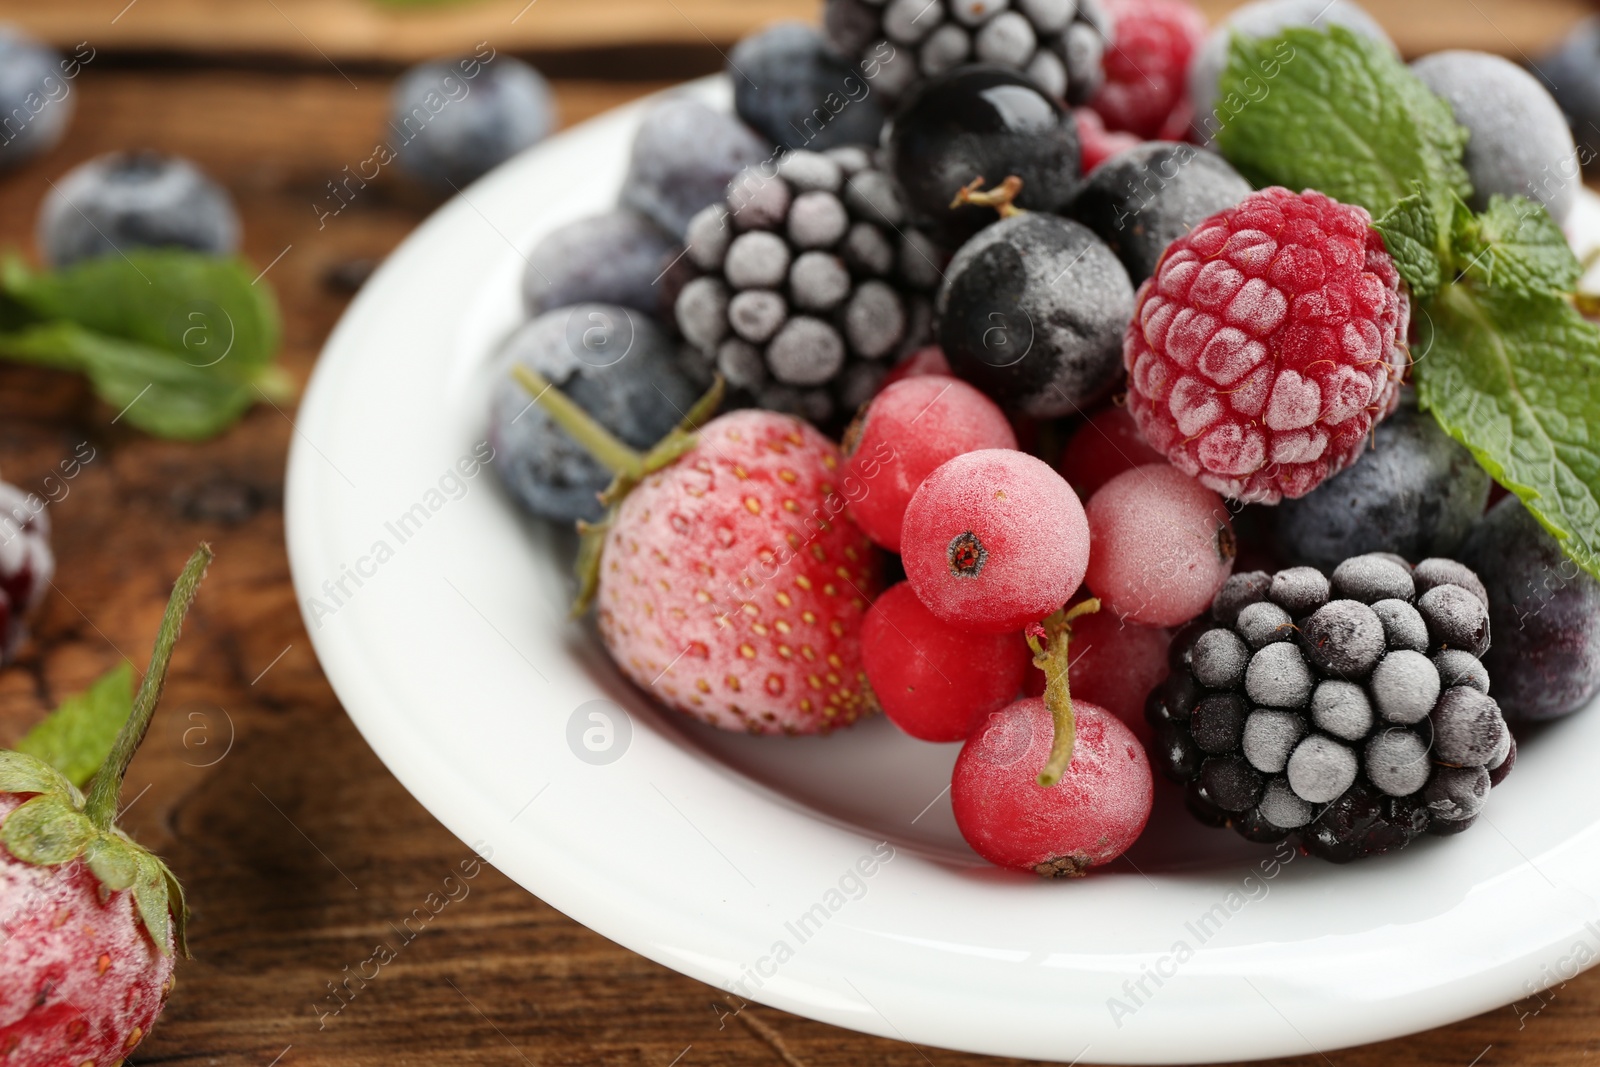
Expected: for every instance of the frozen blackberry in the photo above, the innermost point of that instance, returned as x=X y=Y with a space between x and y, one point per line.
x=810 y=277
x=1059 y=44
x=1350 y=714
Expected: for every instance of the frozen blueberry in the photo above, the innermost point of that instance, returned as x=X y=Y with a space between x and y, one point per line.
x=1405 y=686
x=980 y=122
x=456 y=120
x=614 y=363
x=1415 y=492
x=1032 y=311
x=1342 y=709
x=36 y=101
x=1402 y=625
x=1572 y=73
x=1230 y=783
x=1278 y=677
x=1321 y=768
x=1299 y=590
x=1262 y=623
x=1467 y=728
x=1281 y=807
x=1397 y=762
x=1461 y=668
x=1264 y=18
x=1456 y=793
x=1456 y=619
x=1237 y=593
x=1141 y=200
x=1520 y=143
x=684 y=156
x=798 y=91
x=1545 y=614
x=1344 y=638
x=1434 y=572
x=118 y=202
x=1219 y=659
x=1218 y=723
x=1269 y=737
x=620 y=257
x=1371 y=578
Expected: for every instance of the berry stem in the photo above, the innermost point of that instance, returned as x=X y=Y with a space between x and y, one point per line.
x=598 y=441
x=1052 y=654
x=106 y=790
x=1002 y=197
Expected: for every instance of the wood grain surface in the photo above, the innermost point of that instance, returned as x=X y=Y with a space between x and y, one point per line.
x=300 y=852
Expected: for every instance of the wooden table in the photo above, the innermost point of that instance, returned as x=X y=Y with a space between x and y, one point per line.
x=297 y=846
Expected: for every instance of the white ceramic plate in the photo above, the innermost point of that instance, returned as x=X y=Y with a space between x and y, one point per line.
x=757 y=864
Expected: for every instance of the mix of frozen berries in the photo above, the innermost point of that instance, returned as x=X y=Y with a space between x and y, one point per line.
x=899 y=43
x=1268 y=343
x=811 y=282
x=1348 y=710
x=1107 y=444
x=1146 y=90
x=26 y=564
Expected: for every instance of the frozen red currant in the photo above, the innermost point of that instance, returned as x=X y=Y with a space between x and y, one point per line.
x=995 y=540
x=906 y=433
x=1102 y=448
x=932 y=679
x=1115 y=664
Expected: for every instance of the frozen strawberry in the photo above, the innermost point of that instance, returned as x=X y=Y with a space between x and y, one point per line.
x=1270 y=340
x=731 y=584
x=91 y=921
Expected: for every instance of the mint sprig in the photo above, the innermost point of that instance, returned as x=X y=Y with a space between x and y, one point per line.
x=182 y=344
x=1503 y=359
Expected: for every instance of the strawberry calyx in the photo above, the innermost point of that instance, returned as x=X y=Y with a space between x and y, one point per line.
x=59 y=824
x=627 y=465
x=1050 y=643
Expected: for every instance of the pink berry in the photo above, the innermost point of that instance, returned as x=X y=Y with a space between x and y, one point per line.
x=1146 y=88
x=1115 y=664
x=1102 y=448
x=906 y=433
x=1270 y=340
x=930 y=360
x=1162 y=545
x=995 y=540
x=1098 y=143
x=1090 y=817
x=932 y=679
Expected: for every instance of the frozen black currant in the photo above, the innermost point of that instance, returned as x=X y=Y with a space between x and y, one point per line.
x=1359 y=730
x=808 y=278
x=1058 y=44
x=1032 y=311
x=798 y=91
x=123 y=201
x=981 y=124
x=1141 y=200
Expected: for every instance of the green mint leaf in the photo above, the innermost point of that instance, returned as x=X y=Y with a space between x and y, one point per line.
x=1516 y=378
x=182 y=343
x=1412 y=235
x=77 y=737
x=1515 y=245
x=1337 y=112
x=47 y=831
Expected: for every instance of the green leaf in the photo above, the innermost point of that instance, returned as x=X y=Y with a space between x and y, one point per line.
x=178 y=904
x=1515 y=245
x=114 y=861
x=178 y=341
x=1337 y=112
x=47 y=831
x=1412 y=235
x=150 y=896
x=78 y=735
x=21 y=773
x=1516 y=378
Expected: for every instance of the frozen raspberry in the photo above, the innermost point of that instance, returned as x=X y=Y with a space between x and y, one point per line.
x=1268 y=343
x=935 y=680
x=908 y=431
x=1146 y=91
x=1097 y=143
x=995 y=540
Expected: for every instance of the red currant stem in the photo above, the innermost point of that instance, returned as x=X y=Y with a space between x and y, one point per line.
x=1053 y=656
x=1002 y=197
x=106 y=789
x=598 y=441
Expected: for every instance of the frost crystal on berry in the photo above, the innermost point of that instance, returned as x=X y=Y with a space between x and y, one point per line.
x=1269 y=342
